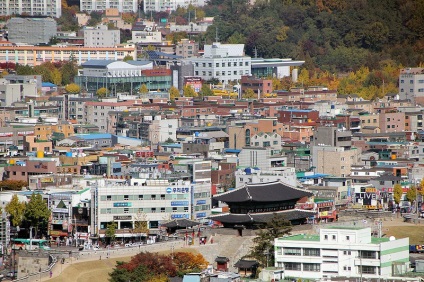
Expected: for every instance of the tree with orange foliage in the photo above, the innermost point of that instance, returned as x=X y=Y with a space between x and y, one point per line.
x=188 y=262
x=153 y=267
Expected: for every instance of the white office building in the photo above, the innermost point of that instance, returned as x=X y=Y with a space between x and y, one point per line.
x=286 y=175
x=123 y=6
x=51 y=8
x=411 y=83
x=341 y=252
x=100 y=36
x=155 y=200
x=169 y=5
x=226 y=62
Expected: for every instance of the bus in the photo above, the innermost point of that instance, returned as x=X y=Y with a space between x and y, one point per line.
x=30 y=244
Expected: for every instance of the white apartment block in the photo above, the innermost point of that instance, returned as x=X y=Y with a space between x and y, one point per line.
x=100 y=36
x=142 y=36
x=123 y=6
x=411 y=83
x=155 y=201
x=51 y=8
x=341 y=252
x=286 y=175
x=36 y=55
x=226 y=62
x=169 y=5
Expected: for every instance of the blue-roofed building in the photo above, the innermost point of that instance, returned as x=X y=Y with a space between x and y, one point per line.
x=94 y=140
x=119 y=76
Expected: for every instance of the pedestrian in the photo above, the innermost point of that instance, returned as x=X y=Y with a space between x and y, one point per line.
x=51 y=274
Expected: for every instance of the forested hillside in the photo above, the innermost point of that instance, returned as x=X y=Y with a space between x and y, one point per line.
x=334 y=35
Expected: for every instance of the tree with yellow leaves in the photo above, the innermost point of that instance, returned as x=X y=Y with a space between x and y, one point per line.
x=174 y=93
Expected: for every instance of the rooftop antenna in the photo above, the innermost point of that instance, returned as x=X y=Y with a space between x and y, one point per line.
x=216 y=34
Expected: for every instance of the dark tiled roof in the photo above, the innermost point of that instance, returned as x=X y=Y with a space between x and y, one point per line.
x=261 y=217
x=246 y=263
x=222 y=259
x=388 y=177
x=263 y=192
x=180 y=223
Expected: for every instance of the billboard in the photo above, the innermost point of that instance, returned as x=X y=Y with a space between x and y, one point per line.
x=194 y=81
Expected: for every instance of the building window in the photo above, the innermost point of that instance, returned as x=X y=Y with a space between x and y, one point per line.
x=347 y=253
x=311 y=267
x=153 y=210
x=292 y=251
x=367 y=269
x=367 y=254
x=292 y=266
x=126 y=210
x=108 y=198
x=311 y=252
x=174 y=209
x=325 y=237
x=162 y=209
x=140 y=197
x=153 y=197
x=347 y=238
x=126 y=197
x=334 y=237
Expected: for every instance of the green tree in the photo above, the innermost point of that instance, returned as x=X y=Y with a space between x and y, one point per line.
x=263 y=249
x=69 y=70
x=24 y=70
x=397 y=193
x=111 y=231
x=56 y=77
x=173 y=93
x=249 y=94
x=128 y=58
x=102 y=92
x=36 y=212
x=188 y=91
x=143 y=89
x=16 y=210
x=72 y=88
x=411 y=194
x=206 y=91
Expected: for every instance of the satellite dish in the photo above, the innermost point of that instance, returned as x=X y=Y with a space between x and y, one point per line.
x=392 y=238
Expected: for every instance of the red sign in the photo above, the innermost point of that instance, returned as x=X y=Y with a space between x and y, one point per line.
x=156 y=72
x=144 y=154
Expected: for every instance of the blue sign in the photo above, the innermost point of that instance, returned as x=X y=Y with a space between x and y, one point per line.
x=126 y=204
x=201 y=202
x=168 y=190
x=174 y=216
x=200 y=214
x=177 y=190
x=179 y=203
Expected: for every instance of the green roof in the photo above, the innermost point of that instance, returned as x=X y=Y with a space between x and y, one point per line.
x=345 y=227
x=82 y=191
x=375 y=240
x=301 y=237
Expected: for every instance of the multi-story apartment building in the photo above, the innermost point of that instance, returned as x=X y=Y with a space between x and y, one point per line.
x=187 y=48
x=154 y=201
x=31 y=30
x=349 y=252
x=225 y=62
x=124 y=6
x=31 y=7
x=48 y=131
x=36 y=55
x=336 y=161
x=258 y=85
x=241 y=132
x=411 y=84
x=168 y=5
x=101 y=36
x=392 y=121
x=297 y=116
x=97 y=112
x=266 y=159
x=71 y=106
x=286 y=175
